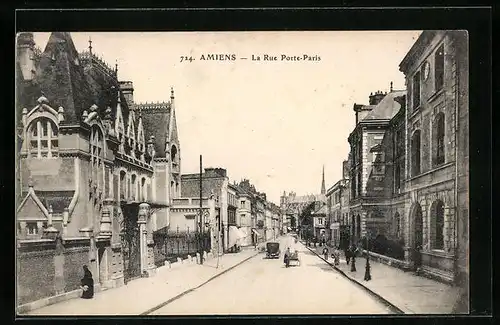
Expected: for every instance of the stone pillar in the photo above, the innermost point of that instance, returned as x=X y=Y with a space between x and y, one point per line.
x=141 y=221
x=146 y=240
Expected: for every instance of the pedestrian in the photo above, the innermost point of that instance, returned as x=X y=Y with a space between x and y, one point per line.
x=87 y=284
x=347 y=254
x=325 y=253
x=337 y=256
x=286 y=257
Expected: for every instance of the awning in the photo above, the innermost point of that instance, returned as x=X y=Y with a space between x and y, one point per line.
x=235 y=235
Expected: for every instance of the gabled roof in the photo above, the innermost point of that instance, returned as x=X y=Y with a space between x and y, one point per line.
x=387 y=108
x=61 y=77
x=156 y=121
x=321 y=210
x=30 y=202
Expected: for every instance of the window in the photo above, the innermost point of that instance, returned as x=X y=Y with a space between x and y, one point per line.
x=143 y=189
x=358 y=187
x=439 y=138
x=437 y=219
x=397 y=178
x=242 y=204
x=96 y=158
x=415 y=153
x=416 y=90
x=31 y=228
x=123 y=185
x=43 y=138
x=133 y=186
x=439 y=68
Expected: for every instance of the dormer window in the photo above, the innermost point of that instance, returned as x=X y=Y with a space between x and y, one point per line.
x=43 y=138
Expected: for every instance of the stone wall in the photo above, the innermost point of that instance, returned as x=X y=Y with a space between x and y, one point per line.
x=46 y=268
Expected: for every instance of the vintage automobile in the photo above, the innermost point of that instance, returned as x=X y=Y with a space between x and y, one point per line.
x=273 y=250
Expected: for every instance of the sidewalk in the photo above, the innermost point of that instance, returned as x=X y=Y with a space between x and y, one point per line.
x=410 y=293
x=142 y=295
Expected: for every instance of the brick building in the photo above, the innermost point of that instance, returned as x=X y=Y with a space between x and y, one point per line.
x=94 y=169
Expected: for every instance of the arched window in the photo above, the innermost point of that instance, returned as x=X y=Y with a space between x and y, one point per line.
x=143 y=189
x=437 y=225
x=43 y=138
x=123 y=185
x=133 y=188
x=96 y=158
x=415 y=153
x=439 y=139
x=174 y=156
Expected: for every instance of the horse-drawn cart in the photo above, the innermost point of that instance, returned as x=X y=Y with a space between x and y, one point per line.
x=292 y=256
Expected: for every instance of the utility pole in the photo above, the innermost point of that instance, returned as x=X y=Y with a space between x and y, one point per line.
x=201 y=212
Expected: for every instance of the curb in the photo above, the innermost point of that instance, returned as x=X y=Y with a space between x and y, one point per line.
x=163 y=304
x=396 y=309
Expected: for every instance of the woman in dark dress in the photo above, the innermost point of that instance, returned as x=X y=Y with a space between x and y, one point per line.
x=87 y=284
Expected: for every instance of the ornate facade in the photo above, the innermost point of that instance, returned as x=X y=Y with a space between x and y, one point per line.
x=407 y=181
x=97 y=171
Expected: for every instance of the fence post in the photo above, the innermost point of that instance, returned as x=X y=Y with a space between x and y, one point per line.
x=178 y=251
x=187 y=240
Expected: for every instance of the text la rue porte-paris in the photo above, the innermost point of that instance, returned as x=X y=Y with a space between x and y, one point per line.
x=253 y=57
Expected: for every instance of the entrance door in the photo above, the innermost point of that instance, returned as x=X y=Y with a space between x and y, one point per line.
x=419 y=236
x=131 y=249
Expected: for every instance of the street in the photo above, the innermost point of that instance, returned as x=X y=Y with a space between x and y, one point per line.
x=265 y=286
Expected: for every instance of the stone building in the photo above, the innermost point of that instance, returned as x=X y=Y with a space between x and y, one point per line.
x=244 y=215
x=214 y=182
x=93 y=170
x=436 y=179
x=335 y=210
x=409 y=160
x=372 y=203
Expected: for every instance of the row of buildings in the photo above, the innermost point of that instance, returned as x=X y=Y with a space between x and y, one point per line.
x=100 y=182
x=405 y=183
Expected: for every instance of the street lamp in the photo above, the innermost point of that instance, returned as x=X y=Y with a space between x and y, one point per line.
x=368 y=276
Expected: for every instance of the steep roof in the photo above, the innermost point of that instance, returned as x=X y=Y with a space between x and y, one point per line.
x=321 y=210
x=62 y=79
x=387 y=108
x=156 y=122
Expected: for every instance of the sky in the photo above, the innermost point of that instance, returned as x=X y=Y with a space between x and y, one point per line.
x=275 y=123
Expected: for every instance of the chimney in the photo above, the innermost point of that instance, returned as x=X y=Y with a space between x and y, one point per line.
x=376 y=97
x=25 y=55
x=127 y=88
x=221 y=171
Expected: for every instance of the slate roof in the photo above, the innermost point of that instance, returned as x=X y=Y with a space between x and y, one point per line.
x=65 y=78
x=190 y=185
x=387 y=108
x=156 y=122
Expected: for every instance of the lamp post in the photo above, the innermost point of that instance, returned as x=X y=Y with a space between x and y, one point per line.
x=368 y=276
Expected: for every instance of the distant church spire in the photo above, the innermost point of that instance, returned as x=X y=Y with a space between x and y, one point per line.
x=323 y=189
